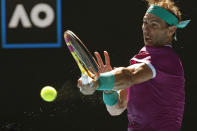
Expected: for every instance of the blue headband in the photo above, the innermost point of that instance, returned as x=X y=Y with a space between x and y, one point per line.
x=167 y=16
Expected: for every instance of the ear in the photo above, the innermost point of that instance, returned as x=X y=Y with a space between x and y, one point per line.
x=171 y=30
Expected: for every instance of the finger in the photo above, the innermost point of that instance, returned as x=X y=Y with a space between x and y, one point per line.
x=87 y=90
x=79 y=84
x=99 y=59
x=95 y=61
x=86 y=93
x=107 y=58
x=96 y=74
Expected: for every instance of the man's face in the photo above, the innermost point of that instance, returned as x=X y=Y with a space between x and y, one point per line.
x=155 y=30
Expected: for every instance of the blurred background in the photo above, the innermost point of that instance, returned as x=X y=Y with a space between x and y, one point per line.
x=33 y=55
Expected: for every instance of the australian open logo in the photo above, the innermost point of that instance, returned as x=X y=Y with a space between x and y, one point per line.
x=31 y=24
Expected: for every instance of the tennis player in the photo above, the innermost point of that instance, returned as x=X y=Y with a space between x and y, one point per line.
x=152 y=87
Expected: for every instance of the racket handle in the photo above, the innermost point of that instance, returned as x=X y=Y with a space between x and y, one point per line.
x=85 y=79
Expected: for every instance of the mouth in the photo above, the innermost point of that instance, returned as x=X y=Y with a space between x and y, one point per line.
x=147 y=38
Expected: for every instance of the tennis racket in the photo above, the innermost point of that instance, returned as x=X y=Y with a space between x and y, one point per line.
x=82 y=56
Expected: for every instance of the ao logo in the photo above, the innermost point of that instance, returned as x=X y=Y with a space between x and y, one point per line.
x=34 y=24
x=20 y=15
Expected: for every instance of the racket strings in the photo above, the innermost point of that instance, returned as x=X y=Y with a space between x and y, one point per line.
x=82 y=56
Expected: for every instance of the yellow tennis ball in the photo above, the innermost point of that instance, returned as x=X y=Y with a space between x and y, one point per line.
x=48 y=93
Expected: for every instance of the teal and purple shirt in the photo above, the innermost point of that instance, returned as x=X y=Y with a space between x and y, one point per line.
x=157 y=104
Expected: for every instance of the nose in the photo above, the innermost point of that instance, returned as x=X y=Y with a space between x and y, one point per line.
x=146 y=28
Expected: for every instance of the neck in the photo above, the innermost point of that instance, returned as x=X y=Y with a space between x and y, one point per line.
x=158 y=45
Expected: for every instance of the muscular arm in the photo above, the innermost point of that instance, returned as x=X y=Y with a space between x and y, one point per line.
x=130 y=75
x=125 y=78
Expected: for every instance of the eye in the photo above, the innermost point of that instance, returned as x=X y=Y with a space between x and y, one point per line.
x=145 y=22
x=155 y=25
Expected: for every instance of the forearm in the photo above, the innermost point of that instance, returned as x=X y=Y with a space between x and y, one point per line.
x=129 y=76
x=124 y=77
x=115 y=110
x=120 y=106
